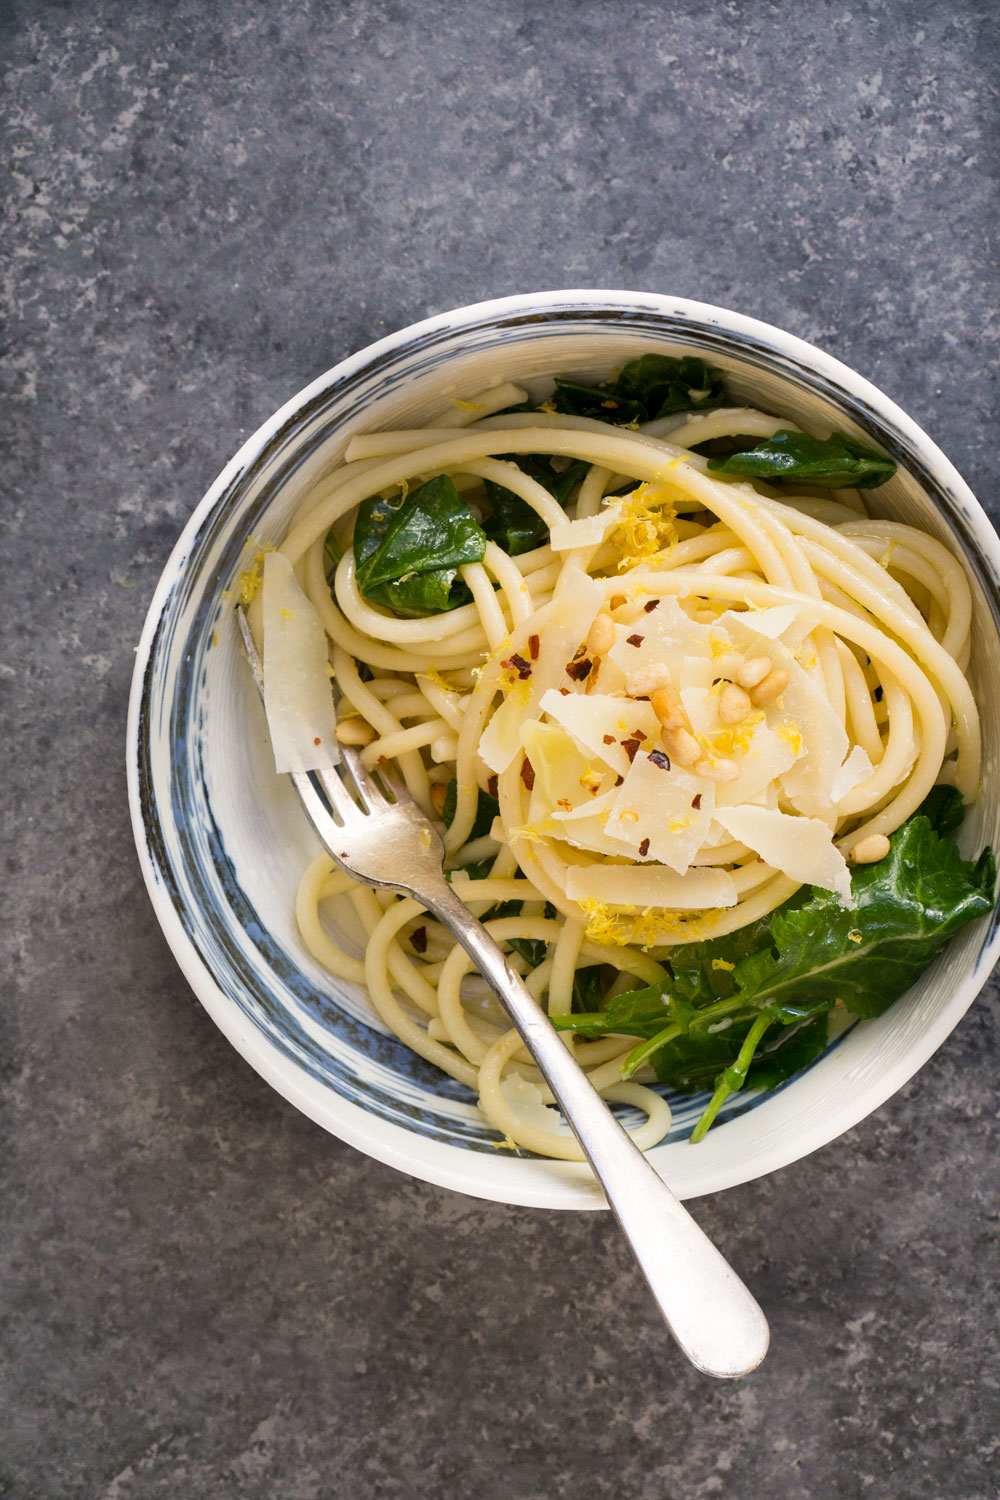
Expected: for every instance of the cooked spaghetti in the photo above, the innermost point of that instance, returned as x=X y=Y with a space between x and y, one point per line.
x=695 y=694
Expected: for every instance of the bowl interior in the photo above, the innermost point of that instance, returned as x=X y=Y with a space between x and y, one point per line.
x=224 y=841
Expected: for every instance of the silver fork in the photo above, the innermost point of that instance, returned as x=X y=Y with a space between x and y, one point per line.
x=388 y=842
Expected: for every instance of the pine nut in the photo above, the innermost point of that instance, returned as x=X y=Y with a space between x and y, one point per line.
x=734 y=704
x=770 y=687
x=753 y=671
x=617 y=600
x=681 y=746
x=438 y=794
x=666 y=709
x=647 y=680
x=354 y=732
x=870 y=850
x=601 y=636
x=717 y=770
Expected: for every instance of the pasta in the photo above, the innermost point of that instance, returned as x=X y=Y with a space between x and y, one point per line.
x=697 y=694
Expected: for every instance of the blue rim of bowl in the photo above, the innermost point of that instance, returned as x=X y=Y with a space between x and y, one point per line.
x=713 y=333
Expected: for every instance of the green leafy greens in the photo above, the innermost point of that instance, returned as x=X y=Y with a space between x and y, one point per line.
x=835 y=462
x=708 y=1022
x=656 y=385
x=408 y=550
x=512 y=523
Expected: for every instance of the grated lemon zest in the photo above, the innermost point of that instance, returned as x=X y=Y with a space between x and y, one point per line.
x=249 y=582
x=623 y=926
x=646 y=529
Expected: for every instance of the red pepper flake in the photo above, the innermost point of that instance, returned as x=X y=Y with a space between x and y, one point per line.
x=418 y=939
x=619 y=780
x=649 y=606
x=493 y=788
x=534 y=645
x=635 y=640
x=609 y=739
x=581 y=650
x=383 y=760
x=565 y=804
x=519 y=665
x=696 y=800
x=565 y=692
x=659 y=759
x=644 y=848
x=630 y=747
x=717 y=680
x=527 y=773
x=317 y=741
x=579 y=670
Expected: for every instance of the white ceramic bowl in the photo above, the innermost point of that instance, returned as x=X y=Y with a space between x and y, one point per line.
x=222 y=839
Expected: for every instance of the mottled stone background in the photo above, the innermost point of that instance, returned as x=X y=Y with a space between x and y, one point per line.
x=203 y=1295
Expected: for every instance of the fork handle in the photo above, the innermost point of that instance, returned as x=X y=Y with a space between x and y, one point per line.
x=714 y=1318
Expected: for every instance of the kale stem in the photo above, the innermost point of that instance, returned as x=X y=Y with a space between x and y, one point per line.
x=639 y=1054
x=732 y=1079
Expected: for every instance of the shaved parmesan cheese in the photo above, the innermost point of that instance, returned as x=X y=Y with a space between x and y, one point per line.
x=560 y=627
x=802 y=848
x=563 y=776
x=587 y=531
x=593 y=719
x=772 y=622
x=650 y=885
x=856 y=769
x=297 y=696
x=657 y=807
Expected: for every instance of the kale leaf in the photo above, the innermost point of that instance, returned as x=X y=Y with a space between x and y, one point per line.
x=512 y=523
x=408 y=550
x=835 y=462
x=655 y=385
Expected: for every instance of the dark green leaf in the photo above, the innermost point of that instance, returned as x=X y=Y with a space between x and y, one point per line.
x=654 y=385
x=943 y=808
x=407 y=551
x=906 y=907
x=487 y=808
x=599 y=402
x=663 y=384
x=512 y=523
x=588 y=989
x=786 y=1052
x=532 y=950
x=835 y=462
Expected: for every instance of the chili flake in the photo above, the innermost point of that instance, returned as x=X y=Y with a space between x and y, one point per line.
x=418 y=939
x=518 y=665
x=649 y=606
x=533 y=647
x=492 y=786
x=644 y=848
x=527 y=773
x=635 y=640
x=630 y=747
x=659 y=759
x=579 y=670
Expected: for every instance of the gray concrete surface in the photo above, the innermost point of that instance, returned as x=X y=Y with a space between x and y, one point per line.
x=208 y=204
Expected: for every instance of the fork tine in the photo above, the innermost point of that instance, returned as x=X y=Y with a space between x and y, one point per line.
x=397 y=785
x=368 y=789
